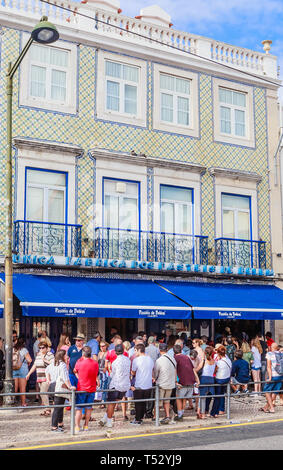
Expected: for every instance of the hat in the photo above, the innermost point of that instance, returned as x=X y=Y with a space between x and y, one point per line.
x=218 y=346
x=162 y=347
x=151 y=339
x=80 y=336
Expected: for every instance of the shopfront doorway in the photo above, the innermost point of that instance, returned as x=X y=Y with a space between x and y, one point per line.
x=126 y=327
x=237 y=327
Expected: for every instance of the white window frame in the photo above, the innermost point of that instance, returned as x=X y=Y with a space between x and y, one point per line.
x=249 y=139
x=121 y=197
x=68 y=106
x=46 y=188
x=235 y=214
x=102 y=112
x=176 y=205
x=193 y=128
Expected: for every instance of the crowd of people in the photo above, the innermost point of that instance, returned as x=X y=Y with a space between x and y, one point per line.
x=188 y=373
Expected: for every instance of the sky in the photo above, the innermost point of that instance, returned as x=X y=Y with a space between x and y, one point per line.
x=243 y=23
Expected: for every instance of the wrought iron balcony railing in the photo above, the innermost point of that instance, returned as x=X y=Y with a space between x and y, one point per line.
x=240 y=252
x=53 y=239
x=150 y=246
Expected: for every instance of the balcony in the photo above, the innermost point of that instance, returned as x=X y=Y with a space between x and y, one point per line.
x=151 y=246
x=240 y=253
x=44 y=238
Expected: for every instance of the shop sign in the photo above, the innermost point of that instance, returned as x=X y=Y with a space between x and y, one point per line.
x=137 y=265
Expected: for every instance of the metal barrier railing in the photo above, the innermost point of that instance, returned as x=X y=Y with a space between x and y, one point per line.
x=156 y=399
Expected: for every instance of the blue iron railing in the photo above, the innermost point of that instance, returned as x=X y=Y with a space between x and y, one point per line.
x=150 y=246
x=32 y=237
x=240 y=252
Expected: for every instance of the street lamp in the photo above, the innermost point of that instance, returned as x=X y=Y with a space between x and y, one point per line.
x=43 y=33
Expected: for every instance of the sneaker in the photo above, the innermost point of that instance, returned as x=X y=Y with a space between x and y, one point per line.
x=135 y=422
x=85 y=428
x=246 y=391
x=165 y=421
x=237 y=392
x=77 y=430
x=178 y=418
x=57 y=429
x=103 y=421
x=109 y=424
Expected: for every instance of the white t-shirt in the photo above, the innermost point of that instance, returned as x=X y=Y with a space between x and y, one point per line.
x=224 y=366
x=257 y=357
x=143 y=366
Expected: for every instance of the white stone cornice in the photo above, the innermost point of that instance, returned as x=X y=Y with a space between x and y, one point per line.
x=235 y=174
x=47 y=146
x=148 y=161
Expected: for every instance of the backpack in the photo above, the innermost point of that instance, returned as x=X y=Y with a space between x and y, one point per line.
x=279 y=362
x=17 y=361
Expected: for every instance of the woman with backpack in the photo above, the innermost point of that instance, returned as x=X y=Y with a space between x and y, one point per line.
x=21 y=362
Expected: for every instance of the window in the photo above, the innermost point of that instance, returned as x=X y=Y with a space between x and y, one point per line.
x=176 y=210
x=121 y=205
x=120 y=89
x=232 y=112
x=175 y=101
x=48 y=77
x=235 y=217
x=45 y=199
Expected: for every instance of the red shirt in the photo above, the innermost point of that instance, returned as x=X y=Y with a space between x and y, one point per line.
x=269 y=342
x=87 y=370
x=111 y=355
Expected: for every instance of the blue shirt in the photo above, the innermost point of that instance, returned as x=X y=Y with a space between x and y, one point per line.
x=240 y=370
x=94 y=345
x=74 y=355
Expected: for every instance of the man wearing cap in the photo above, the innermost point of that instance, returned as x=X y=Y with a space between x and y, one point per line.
x=75 y=353
x=119 y=384
x=165 y=377
x=94 y=345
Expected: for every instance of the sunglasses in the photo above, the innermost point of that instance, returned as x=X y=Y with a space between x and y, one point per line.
x=103 y=345
x=42 y=347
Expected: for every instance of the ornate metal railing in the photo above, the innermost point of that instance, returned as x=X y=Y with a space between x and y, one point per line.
x=239 y=252
x=31 y=237
x=150 y=246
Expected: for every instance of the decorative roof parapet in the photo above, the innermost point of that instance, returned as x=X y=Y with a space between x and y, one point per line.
x=105 y=26
x=146 y=160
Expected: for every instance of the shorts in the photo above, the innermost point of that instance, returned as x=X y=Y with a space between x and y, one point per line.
x=185 y=392
x=164 y=393
x=276 y=385
x=256 y=368
x=84 y=397
x=115 y=395
x=21 y=373
x=236 y=382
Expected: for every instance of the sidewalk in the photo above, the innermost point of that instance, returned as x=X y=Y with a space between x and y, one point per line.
x=29 y=428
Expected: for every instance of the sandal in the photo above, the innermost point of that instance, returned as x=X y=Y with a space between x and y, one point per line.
x=45 y=413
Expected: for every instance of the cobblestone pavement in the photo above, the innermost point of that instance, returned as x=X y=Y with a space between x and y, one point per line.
x=29 y=428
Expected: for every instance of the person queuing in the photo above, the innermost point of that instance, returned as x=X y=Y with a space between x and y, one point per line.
x=119 y=382
x=42 y=360
x=222 y=378
x=186 y=378
x=103 y=372
x=207 y=379
x=257 y=351
x=142 y=369
x=74 y=353
x=165 y=377
x=274 y=377
x=240 y=373
x=62 y=385
x=21 y=363
x=94 y=344
x=87 y=373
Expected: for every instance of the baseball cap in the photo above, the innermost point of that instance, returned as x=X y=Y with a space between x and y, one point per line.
x=162 y=347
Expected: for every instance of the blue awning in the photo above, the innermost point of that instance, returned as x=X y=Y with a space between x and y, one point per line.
x=62 y=296
x=229 y=301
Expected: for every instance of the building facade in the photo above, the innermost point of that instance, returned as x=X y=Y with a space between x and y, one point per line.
x=141 y=153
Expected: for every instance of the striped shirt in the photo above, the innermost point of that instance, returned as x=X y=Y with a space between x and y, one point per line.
x=41 y=362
